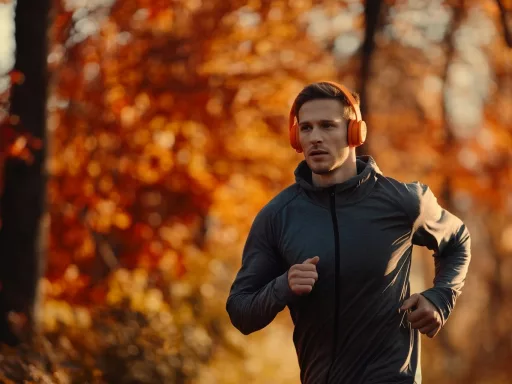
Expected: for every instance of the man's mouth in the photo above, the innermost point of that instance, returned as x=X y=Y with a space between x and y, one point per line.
x=317 y=153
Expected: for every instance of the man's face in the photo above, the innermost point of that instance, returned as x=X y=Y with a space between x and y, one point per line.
x=323 y=135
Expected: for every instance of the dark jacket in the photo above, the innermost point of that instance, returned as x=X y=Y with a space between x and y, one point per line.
x=349 y=329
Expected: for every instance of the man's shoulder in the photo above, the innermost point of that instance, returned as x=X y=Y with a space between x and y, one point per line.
x=405 y=194
x=280 y=201
x=412 y=188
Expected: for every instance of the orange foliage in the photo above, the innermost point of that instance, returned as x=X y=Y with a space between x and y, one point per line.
x=151 y=122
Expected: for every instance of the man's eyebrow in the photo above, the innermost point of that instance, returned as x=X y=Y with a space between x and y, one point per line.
x=321 y=121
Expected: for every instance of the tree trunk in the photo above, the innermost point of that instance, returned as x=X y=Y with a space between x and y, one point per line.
x=373 y=23
x=24 y=221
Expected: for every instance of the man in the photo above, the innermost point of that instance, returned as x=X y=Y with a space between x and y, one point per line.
x=335 y=247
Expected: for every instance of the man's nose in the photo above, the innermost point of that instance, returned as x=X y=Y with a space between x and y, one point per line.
x=315 y=135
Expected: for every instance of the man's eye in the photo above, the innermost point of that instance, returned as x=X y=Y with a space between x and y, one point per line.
x=327 y=125
x=305 y=127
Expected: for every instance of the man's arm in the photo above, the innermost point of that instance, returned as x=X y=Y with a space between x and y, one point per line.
x=260 y=290
x=449 y=239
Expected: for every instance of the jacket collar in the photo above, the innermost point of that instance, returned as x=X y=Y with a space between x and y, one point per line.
x=350 y=190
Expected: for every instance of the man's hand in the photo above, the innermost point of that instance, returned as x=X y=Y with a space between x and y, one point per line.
x=302 y=277
x=424 y=315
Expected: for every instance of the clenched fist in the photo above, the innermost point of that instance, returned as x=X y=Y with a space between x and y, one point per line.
x=302 y=277
x=424 y=315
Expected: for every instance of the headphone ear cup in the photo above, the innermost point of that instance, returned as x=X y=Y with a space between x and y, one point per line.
x=294 y=138
x=363 y=131
x=356 y=133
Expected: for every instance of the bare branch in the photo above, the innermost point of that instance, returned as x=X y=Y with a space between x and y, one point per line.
x=504 y=16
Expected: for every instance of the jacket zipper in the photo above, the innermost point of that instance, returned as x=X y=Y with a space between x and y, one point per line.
x=336 y=280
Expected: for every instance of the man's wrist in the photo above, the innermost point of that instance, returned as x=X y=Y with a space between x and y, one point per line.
x=433 y=297
x=282 y=289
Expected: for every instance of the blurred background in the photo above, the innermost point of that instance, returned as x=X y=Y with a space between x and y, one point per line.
x=139 y=138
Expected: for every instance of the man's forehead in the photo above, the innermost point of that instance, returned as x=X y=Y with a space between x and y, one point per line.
x=318 y=110
x=327 y=109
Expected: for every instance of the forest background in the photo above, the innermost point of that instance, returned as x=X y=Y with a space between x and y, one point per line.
x=139 y=138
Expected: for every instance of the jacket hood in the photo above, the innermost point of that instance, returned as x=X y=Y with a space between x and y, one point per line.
x=356 y=186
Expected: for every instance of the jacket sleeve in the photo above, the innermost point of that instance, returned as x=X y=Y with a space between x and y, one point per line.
x=260 y=290
x=449 y=239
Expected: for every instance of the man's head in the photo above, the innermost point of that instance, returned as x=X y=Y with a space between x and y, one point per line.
x=323 y=112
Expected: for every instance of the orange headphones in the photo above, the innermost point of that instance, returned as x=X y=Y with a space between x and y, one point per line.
x=356 y=134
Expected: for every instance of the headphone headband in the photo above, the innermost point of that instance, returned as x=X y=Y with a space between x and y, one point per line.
x=350 y=98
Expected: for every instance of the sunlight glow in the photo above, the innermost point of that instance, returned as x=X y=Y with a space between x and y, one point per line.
x=7 y=43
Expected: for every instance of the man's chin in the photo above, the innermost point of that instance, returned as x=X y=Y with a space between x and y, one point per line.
x=320 y=170
x=320 y=167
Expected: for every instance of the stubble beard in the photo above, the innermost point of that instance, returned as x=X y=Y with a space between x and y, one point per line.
x=325 y=169
x=322 y=171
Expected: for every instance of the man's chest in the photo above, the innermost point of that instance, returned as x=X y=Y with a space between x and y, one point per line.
x=369 y=240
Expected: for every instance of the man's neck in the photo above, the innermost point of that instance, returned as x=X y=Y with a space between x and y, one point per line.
x=339 y=175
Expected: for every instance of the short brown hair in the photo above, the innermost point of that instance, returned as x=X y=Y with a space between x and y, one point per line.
x=324 y=90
